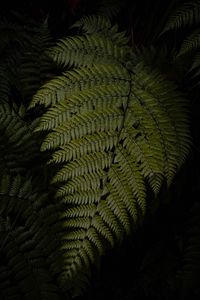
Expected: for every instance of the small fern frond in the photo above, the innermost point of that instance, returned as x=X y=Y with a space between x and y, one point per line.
x=187 y=14
x=192 y=43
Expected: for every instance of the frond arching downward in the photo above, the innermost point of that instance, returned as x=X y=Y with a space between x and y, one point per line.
x=113 y=130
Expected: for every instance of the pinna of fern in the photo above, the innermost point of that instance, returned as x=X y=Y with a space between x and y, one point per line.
x=114 y=126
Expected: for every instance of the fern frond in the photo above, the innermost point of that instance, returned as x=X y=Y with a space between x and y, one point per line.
x=190 y=44
x=24 y=267
x=111 y=129
x=187 y=14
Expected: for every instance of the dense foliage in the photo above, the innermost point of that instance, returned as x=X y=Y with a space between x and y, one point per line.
x=99 y=151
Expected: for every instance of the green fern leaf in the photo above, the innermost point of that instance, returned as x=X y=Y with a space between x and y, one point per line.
x=111 y=129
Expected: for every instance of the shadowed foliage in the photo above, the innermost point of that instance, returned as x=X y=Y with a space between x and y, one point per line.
x=96 y=142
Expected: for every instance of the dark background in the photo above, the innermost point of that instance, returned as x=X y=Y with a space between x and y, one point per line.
x=148 y=265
